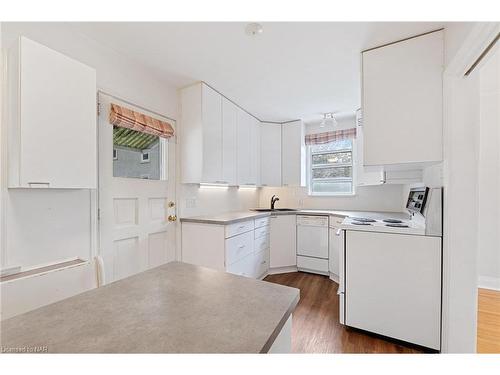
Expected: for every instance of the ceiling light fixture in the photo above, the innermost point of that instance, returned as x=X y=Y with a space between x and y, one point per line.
x=328 y=119
x=254 y=29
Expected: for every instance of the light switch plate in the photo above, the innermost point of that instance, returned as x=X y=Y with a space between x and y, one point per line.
x=190 y=203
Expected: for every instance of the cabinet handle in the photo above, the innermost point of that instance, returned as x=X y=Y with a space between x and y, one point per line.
x=263 y=262
x=241 y=246
x=39 y=184
x=338 y=232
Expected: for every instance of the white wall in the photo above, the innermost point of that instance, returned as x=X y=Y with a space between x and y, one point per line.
x=195 y=200
x=38 y=224
x=489 y=175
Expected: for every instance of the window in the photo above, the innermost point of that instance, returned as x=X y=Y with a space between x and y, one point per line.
x=141 y=155
x=331 y=168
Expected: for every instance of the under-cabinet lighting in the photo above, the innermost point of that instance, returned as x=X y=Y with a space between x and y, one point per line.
x=247 y=187
x=213 y=186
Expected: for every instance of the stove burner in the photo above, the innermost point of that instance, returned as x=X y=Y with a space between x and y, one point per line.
x=392 y=221
x=360 y=223
x=363 y=219
x=396 y=225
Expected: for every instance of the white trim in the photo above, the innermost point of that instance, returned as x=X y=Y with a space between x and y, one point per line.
x=488 y=282
x=334 y=277
x=278 y=270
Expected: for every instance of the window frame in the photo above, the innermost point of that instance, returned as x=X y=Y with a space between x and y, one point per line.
x=353 y=163
x=148 y=159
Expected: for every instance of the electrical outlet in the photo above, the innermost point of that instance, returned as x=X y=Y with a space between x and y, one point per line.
x=191 y=203
x=301 y=203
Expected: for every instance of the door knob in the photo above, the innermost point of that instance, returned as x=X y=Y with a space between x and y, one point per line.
x=172 y=218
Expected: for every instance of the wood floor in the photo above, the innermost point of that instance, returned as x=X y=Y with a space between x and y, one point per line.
x=316 y=327
x=488 y=321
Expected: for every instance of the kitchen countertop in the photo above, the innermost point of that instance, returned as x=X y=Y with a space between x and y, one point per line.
x=174 y=308
x=234 y=217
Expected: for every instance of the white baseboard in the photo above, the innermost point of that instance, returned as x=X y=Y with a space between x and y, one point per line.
x=488 y=282
x=274 y=271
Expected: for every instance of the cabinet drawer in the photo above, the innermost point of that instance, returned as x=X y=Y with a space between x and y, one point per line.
x=238 y=247
x=312 y=264
x=262 y=232
x=262 y=243
x=243 y=267
x=262 y=222
x=238 y=228
x=261 y=263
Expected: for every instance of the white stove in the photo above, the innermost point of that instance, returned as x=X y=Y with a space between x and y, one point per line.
x=385 y=224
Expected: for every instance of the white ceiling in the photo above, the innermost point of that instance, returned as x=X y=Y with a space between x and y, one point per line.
x=290 y=71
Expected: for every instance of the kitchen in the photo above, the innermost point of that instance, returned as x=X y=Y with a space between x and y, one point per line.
x=301 y=220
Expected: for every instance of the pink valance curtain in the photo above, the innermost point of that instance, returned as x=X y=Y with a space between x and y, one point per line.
x=126 y=118
x=327 y=137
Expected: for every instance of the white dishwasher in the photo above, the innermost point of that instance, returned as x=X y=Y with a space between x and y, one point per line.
x=312 y=244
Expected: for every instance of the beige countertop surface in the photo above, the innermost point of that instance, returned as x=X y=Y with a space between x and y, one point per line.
x=174 y=308
x=234 y=217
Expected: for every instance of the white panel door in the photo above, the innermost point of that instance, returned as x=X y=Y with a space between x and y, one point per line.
x=211 y=107
x=244 y=148
x=57 y=115
x=393 y=285
x=270 y=143
x=229 y=142
x=283 y=247
x=135 y=234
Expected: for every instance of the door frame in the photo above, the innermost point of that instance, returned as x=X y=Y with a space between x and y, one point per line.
x=459 y=299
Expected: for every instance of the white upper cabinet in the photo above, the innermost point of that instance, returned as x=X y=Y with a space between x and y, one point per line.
x=201 y=135
x=365 y=176
x=402 y=102
x=255 y=150
x=293 y=154
x=229 y=142
x=270 y=143
x=245 y=125
x=51 y=119
x=211 y=119
x=220 y=142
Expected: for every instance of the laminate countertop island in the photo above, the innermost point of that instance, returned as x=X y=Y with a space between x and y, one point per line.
x=174 y=308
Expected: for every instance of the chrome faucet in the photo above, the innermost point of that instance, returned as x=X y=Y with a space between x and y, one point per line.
x=274 y=198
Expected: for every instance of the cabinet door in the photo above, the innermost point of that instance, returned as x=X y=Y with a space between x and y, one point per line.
x=270 y=141
x=335 y=246
x=366 y=176
x=229 y=142
x=283 y=251
x=293 y=154
x=244 y=148
x=255 y=151
x=402 y=101
x=58 y=132
x=393 y=285
x=211 y=104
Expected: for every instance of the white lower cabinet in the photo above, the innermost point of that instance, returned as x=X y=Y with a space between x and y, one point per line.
x=335 y=246
x=283 y=241
x=240 y=248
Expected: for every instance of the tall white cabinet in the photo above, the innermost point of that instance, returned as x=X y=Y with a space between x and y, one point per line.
x=51 y=119
x=402 y=102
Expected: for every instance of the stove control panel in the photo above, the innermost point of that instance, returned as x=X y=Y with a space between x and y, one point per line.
x=416 y=199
